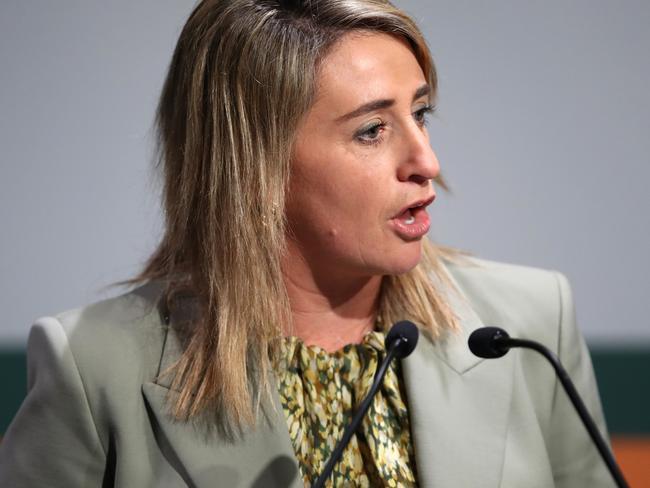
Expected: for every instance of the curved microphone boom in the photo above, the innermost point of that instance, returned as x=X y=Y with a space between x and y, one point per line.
x=493 y=342
x=400 y=342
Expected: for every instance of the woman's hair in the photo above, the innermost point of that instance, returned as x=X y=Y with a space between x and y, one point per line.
x=242 y=77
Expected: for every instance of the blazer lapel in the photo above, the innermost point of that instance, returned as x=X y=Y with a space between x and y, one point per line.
x=263 y=457
x=459 y=407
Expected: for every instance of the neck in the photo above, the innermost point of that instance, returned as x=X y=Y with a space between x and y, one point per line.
x=328 y=310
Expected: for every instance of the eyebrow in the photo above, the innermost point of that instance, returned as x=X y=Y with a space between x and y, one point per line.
x=381 y=104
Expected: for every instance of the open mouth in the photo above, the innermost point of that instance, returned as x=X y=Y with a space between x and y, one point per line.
x=408 y=216
x=413 y=221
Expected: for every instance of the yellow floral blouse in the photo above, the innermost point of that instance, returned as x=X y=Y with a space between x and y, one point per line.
x=320 y=392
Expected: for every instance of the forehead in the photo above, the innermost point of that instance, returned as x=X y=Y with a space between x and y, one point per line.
x=363 y=66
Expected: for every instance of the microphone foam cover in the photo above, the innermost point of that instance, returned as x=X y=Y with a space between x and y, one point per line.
x=408 y=332
x=482 y=342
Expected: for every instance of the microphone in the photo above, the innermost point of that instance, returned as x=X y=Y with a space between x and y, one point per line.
x=493 y=342
x=402 y=337
x=400 y=342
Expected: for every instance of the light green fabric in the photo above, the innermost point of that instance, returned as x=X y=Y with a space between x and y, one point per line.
x=94 y=416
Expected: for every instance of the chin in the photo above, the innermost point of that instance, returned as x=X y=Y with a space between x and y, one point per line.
x=406 y=260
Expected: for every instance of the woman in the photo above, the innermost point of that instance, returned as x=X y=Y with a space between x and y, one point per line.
x=297 y=175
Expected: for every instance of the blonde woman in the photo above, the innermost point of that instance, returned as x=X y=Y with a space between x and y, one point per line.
x=297 y=175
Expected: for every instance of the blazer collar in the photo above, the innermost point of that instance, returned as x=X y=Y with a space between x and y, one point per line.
x=459 y=406
x=263 y=457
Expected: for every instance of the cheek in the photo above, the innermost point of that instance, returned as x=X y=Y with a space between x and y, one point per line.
x=345 y=220
x=346 y=207
x=339 y=196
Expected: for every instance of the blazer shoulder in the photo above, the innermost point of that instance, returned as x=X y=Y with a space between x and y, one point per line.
x=525 y=300
x=123 y=335
x=502 y=274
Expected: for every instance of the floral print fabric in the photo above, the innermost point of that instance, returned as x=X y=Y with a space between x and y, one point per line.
x=320 y=393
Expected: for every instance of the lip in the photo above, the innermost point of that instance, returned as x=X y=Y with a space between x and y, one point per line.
x=414 y=231
x=418 y=203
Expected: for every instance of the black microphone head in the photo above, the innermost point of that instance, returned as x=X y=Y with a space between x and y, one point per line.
x=484 y=342
x=408 y=332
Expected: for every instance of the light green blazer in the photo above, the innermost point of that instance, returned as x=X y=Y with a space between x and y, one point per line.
x=94 y=415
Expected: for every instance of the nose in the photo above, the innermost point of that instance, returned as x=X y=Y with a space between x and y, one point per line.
x=418 y=163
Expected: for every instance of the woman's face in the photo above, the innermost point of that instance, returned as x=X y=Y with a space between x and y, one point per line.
x=362 y=165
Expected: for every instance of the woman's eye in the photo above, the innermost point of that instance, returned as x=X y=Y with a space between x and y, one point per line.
x=421 y=115
x=371 y=134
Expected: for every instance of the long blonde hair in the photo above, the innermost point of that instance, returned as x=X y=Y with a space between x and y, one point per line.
x=241 y=78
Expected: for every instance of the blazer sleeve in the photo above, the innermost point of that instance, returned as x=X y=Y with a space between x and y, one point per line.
x=575 y=459
x=53 y=440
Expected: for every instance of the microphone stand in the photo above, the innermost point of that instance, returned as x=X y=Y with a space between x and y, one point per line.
x=358 y=416
x=506 y=342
